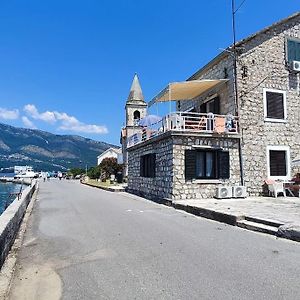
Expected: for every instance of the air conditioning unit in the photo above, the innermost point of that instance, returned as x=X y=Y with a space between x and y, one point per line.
x=295 y=65
x=223 y=192
x=239 y=192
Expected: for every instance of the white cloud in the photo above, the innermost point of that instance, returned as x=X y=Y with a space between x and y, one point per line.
x=28 y=123
x=47 y=116
x=65 y=121
x=6 y=114
x=80 y=127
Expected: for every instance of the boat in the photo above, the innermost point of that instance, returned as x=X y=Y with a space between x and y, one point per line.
x=25 y=172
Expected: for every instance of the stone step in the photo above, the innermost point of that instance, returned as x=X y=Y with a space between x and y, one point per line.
x=264 y=221
x=250 y=225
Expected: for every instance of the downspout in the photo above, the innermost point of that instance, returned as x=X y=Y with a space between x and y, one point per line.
x=236 y=96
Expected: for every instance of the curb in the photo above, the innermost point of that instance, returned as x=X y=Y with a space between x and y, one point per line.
x=209 y=214
x=8 y=268
x=286 y=231
x=109 y=189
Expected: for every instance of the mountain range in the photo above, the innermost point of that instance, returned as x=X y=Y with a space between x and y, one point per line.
x=47 y=151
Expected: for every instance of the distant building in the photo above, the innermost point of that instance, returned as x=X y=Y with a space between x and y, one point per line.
x=111 y=152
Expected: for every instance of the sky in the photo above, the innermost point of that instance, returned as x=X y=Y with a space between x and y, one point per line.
x=66 y=66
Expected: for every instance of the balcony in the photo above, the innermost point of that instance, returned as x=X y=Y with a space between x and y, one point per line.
x=206 y=123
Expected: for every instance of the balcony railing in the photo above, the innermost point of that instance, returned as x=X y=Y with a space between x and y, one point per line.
x=188 y=122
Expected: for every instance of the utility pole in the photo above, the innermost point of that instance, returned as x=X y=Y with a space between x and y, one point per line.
x=236 y=96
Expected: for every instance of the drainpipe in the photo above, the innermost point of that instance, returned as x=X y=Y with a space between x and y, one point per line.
x=236 y=96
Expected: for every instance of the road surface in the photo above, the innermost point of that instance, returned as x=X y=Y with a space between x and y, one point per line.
x=85 y=243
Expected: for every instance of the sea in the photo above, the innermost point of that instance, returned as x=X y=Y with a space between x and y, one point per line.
x=6 y=188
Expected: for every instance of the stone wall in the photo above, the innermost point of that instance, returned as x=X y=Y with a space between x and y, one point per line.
x=264 y=57
x=196 y=189
x=161 y=185
x=170 y=181
x=11 y=219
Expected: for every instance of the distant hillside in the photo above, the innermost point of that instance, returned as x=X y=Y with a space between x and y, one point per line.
x=46 y=151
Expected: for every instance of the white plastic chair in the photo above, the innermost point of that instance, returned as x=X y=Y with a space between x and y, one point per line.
x=276 y=188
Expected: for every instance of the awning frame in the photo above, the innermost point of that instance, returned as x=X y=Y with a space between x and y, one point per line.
x=160 y=97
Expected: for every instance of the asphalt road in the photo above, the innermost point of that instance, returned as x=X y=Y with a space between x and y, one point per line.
x=85 y=243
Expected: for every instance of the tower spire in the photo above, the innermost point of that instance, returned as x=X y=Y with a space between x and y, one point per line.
x=135 y=93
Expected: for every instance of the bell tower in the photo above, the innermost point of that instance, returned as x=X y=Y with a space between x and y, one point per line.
x=135 y=109
x=135 y=105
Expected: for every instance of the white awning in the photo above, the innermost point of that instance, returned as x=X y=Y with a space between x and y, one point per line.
x=186 y=90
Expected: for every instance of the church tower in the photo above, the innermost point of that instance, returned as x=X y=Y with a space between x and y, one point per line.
x=136 y=109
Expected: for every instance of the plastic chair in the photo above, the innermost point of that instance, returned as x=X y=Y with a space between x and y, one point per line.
x=275 y=188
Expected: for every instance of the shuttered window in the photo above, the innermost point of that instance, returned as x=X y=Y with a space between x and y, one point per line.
x=277 y=163
x=293 y=50
x=148 y=165
x=206 y=164
x=274 y=104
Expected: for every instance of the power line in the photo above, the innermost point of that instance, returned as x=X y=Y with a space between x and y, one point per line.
x=239 y=6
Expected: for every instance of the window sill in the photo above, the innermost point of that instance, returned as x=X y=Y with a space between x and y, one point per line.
x=270 y=120
x=207 y=181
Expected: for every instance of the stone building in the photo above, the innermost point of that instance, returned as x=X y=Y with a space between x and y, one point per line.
x=221 y=136
x=135 y=109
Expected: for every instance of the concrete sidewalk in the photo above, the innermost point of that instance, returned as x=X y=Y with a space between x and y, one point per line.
x=112 y=188
x=278 y=216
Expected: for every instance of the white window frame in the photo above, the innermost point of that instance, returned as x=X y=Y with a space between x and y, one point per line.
x=265 y=90
x=288 y=162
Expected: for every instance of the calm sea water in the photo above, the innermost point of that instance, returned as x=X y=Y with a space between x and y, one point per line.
x=5 y=190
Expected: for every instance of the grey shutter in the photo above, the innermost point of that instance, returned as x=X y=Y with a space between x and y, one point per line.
x=190 y=164
x=153 y=164
x=275 y=105
x=293 y=49
x=223 y=165
x=142 y=166
x=277 y=163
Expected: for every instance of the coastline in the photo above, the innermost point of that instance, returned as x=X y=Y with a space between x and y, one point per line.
x=26 y=181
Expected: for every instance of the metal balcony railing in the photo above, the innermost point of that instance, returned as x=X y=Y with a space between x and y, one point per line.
x=188 y=122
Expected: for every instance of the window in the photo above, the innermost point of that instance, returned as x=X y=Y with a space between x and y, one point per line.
x=147 y=165
x=212 y=106
x=136 y=117
x=293 y=49
x=274 y=105
x=206 y=164
x=278 y=161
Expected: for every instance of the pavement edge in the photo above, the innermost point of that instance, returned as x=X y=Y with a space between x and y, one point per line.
x=8 y=268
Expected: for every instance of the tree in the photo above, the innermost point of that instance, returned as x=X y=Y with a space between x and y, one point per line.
x=76 y=171
x=109 y=166
x=94 y=172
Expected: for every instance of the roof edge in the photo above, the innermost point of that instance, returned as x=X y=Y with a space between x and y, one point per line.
x=225 y=53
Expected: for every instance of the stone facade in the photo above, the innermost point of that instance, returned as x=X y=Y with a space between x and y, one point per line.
x=264 y=58
x=170 y=181
x=261 y=64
